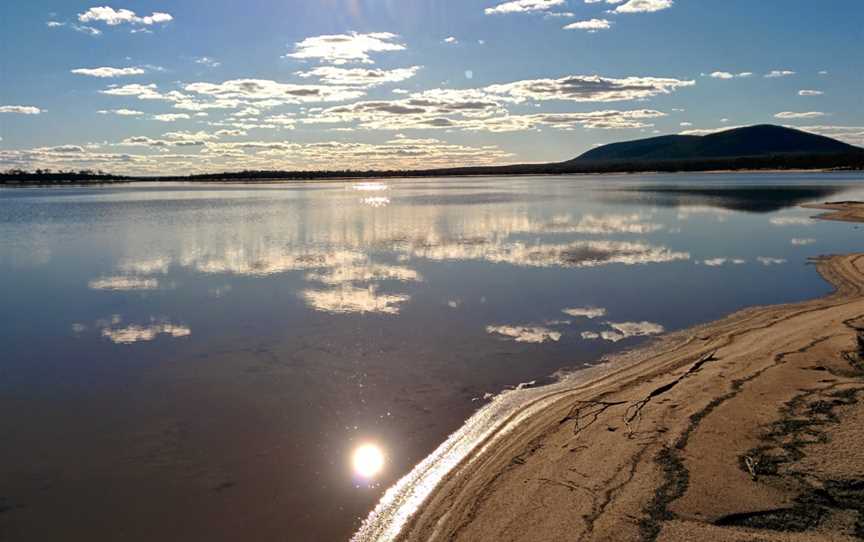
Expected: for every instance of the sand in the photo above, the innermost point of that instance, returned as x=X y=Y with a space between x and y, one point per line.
x=748 y=428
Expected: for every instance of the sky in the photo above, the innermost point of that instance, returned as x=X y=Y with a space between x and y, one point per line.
x=155 y=87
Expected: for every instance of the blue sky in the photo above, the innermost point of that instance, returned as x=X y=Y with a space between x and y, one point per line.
x=162 y=87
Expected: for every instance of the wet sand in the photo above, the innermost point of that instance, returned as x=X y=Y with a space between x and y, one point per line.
x=748 y=428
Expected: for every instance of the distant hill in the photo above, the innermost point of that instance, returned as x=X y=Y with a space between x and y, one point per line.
x=752 y=141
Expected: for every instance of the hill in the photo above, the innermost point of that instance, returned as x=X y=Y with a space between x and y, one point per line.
x=751 y=141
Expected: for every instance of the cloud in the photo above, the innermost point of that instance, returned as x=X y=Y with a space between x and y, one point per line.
x=121 y=112
x=359 y=77
x=766 y=261
x=728 y=75
x=137 y=333
x=586 y=312
x=773 y=74
x=207 y=61
x=810 y=93
x=642 y=6
x=801 y=115
x=108 y=72
x=451 y=40
x=350 y=299
x=525 y=334
x=171 y=117
x=112 y=17
x=589 y=88
x=791 y=221
x=123 y=283
x=592 y=25
x=21 y=109
x=523 y=6
x=345 y=48
x=719 y=262
x=854 y=135
x=280 y=93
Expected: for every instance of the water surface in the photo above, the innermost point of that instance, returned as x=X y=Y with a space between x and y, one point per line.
x=200 y=361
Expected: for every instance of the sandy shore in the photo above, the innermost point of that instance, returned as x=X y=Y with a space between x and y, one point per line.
x=748 y=428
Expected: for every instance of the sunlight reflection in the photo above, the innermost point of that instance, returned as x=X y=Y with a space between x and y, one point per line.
x=367 y=461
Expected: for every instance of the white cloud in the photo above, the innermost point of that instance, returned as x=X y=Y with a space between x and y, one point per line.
x=643 y=6
x=359 y=77
x=586 y=312
x=350 y=299
x=592 y=25
x=791 y=221
x=21 y=109
x=171 y=117
x=728 y=75
x=137 y=333
x=208 y=61
x=279 y=93
x=123 y=283
x=773 y=74
x=451 y=39
x=525 y=334
x=121 y=112
x=523 y=6
x=810 y=93
x=799 y=115
x=589 y=88
x=854 y=135
x=108 y=72
x=345 y=48
x=112 y=17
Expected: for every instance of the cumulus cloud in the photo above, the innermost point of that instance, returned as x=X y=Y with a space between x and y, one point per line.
x=728 y=75
x=799 y=115
x=171 y=117
x=773 y=74
x=591 y=25
x=121 y=112
x=642 y=6
x=359 y=77
x=112 y=17
x=108 y=72
x=525 y=334
x=350 y=299
x=345 y=48
x=589 y=88
x=523 y=6
x=21 y=109
x=207 y=61
x=585 y=312
x=280 y=93
x=854 y=135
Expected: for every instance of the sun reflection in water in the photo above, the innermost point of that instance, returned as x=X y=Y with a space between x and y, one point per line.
x=367 y=461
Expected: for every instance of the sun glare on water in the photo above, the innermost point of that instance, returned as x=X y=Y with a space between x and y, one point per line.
x=367 y=460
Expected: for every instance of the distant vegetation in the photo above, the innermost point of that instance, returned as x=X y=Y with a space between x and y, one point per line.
x=47 y=176
x=762 y=147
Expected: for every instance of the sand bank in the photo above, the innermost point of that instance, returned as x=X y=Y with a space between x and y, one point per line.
x=748 y=428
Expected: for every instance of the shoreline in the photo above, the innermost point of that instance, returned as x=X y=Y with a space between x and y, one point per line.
x=741 y=429
x=276 y=180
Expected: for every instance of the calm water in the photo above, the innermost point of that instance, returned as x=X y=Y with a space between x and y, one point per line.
x=199 y=362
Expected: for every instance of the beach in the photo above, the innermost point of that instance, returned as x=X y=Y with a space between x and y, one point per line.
x=747 y=428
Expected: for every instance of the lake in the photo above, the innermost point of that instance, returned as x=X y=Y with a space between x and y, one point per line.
x=203 y=361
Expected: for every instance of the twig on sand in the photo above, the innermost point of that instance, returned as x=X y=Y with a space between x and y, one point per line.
x=752 y=466
x=634 y=411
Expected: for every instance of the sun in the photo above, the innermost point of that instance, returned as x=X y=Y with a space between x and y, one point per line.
x=367 y=460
